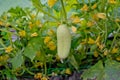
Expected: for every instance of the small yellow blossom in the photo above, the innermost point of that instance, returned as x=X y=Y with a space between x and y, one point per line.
x=33 y=16
x=117 y=20
x=90 y=23
x=51 y=32
x=98 y=39
x=94 y=6
x=95 y=17
x=38 y=23
x=114 y=50
x=1 y=23
x=112 y=1
x=118 y=58
x=105 y=52
x=44 y=78
x=101 y=46
x=4 y=58
x=96 y=54
x=74 y=29
x=22 y=33
x=51 y=3
x=76 y=20
x=38 y=76
x=47 y=39
x=91 y=41
x=1 y=58
x=51 y=45
x=68 y=71
x=84 y=8
x=37 y=64
x=5 y=17
x=34 y=34
x=101 y=15
x=52 y=48
x=8 y=49
x=31 y=25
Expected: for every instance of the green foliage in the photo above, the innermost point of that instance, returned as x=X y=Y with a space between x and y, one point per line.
x=108 y=72
x=28 y=40
x=17 y=61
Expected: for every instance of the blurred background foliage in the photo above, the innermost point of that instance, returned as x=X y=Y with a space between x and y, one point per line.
x=7 y=4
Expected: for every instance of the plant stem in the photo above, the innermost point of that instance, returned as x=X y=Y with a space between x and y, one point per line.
x=40 y=9
x=64 y=11
x=45 y=68
x=115 y=36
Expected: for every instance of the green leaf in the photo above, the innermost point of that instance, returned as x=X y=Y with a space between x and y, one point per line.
x=17 y=61
x=112 y=70
x=30 y=52
x=32 y=47
x=73 y=62
x=96 y=71
x=9 y=75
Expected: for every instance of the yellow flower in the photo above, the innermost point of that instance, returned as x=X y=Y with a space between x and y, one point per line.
x=101 y=15
x=52 y=48
x=114 y=50
x=98 y=39
x=95 y=17
x=4 y=58
x=31 y=25
x=34 y=34
x=112 y=1
x=90 y=23
x=22 y=33
x=33 y=16
x=5 y=17
x=101 y=46
x=91 y=41
x=50 y=32
x=118 y=58
x=1 y=23
x=38 y=23
x=38 y=76
x=47 y=39
x=44 y=78
x=94 y=6
x=51 y=43
x=8 y=49
x=96 y=54
x=1 y=58
x=84 y=8
x=76 y=19
x=37 y=64
x=74 y=29
x=105 y=52
x=117 y=20
x=51 y=3
x=68 y=71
